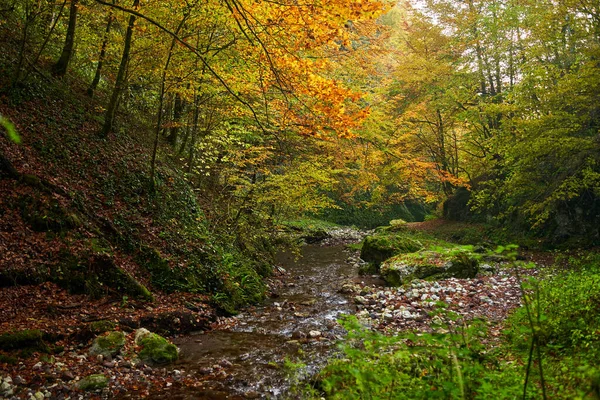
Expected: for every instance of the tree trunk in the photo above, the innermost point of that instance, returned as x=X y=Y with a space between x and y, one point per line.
x=159 y=116
x=23 y=46
x=96 y=80
x=177 y=114
x=61 y=66
x=7 y=168
x=120 y=82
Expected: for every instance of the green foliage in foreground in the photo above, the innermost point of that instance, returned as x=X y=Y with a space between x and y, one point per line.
x=550 y=350
x=10 y=130
x=567 y=309
x=450 y=363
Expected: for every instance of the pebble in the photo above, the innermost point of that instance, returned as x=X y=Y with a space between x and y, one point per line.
x=314 y=334
x=67 y=376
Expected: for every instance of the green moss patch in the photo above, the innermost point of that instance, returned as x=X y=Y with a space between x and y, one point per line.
x=108 y=345
x=378 y=248
x=431 y=265
x=93 y=382
x=99 y=327
x=26 y=339
x=155 y=348
x=96 y=275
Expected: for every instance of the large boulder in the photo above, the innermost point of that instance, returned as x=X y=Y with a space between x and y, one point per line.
x=379 y=247
x=108 y=345
x=430 y=265
x=155 y=348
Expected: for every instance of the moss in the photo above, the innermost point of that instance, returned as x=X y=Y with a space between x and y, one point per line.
x=368 y=269
x=26 y=339
x=31 y=180
x=156 y=349
x=431 y=265
x=97 y=274
x=47 y=216
x=4 y=359
x=378 y=248
x=93 y=382
x=397 y=225
x=108 y=345
x=98 y=327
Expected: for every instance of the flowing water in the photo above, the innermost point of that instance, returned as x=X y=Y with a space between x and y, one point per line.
x=299 y=323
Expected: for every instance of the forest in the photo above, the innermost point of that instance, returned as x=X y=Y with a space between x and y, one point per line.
x=299 y=199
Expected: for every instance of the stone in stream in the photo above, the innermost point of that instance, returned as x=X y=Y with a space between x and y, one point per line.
x=443 y=264
x=156 y=349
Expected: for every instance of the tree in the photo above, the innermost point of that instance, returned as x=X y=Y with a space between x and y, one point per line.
x=120 y=82
x=60 y=68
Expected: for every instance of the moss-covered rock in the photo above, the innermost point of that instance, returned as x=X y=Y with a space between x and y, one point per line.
x=155 y=348
x=315 y=235
x=92 y=382
x=26 y=339
x=108 y=345
x=379 y=247
x=96 y=275
x=47 y=215
x=431 y=265
x=99 y=327
x=397 y=225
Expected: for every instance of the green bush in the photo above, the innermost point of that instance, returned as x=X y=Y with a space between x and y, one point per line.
x=569 y=307
x=448 y=364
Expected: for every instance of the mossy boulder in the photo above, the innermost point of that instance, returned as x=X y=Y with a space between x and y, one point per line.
x=97 y=274
x=92 y=382
x=26 y=339
x=378 y=248
x=397 y=225
x=430 y=265
x=47 y=215
x=155 y=348
x=98 y=327
x=315 y=235
x=108 y=345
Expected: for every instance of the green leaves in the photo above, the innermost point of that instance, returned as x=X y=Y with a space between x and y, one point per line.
x=10 y=129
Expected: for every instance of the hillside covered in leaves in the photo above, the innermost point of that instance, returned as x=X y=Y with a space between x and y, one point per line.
x=156 y=155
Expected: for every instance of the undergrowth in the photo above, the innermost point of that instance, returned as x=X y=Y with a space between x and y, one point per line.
x=549 y=349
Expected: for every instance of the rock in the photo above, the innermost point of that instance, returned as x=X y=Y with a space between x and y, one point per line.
x=37 y=366
x=430 y=265
x=19 y=381
x=360 y=300
x=39 y=396
x=4 y=387
x=92 y=382
x=109 y=345
x=397 y=225
x=225 y=363
x=67 y=376
x=378 y=248
x=156 y=349
x=298 y=335
x=315 y=236
x=314 y=334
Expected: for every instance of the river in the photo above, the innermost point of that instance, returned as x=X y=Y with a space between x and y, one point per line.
x=246 y=360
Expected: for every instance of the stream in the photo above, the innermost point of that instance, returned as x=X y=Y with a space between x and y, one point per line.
x=298 y=323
